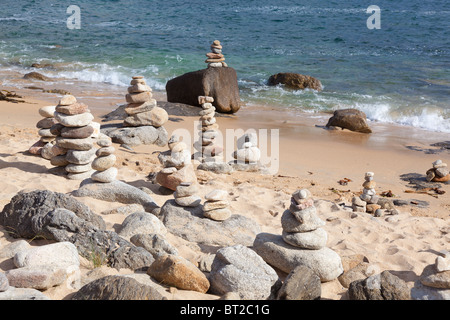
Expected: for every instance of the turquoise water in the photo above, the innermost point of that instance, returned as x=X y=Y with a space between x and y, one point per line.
x=399 y=73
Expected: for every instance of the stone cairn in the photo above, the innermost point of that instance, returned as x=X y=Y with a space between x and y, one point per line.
x=76 y=133
x=105 y=161
x=301 y=225
x=439 y=172
x=216 y=205
x=368 y=200
x=186 y=195
x=436 y=278
x=177 y=166
x=142 y=109
x=247 y=149
x=209 y=128
x=215 y=58
x=46 y=141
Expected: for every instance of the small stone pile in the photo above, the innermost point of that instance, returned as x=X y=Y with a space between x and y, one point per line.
x=177 y=165
x=216 y=205
x=301 y=224
x=142 y=109
x=46 y=137
x=435 y=280
x=368 y=200
x=186 y=195
x=209 y=128
x=439 y=172
x=247 y=150
x=104 y=163
x=76 y=133
x=215 y=58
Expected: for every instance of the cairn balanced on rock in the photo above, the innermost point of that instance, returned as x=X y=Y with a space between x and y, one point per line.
x=439 y=172
x=186 y=195
x=215 y=58
x=47 y=139
x=76 y=134
x=177 y=165
x=434 y=282
x=105 y=161
x=216 y=205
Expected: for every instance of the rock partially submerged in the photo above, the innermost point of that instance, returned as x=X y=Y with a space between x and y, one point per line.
x=295 y=81
x=351 y=119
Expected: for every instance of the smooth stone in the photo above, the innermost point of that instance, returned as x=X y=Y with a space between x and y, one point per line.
x=369 y=184
x=138 y=97
x=45 y=133
x=42 y=278
x=252 y=154
x=186 y=190
x=80 y=176
x=301 y=194
x=58 y=151
x=188 y=201
x=103 y=163
x=432 y=278
x=365 y=197
x=443 y=263
x=171 y=181
x=56 y=129
x=169 y=170
x=78 y=168
x=212 y=55
x=134 y=108
x=76 y=108
x=77 y=120
x=314 y=240
x=221 y=214
x=104 y=142
x=77 y=132
x=384 y=286
x=4 y=283
x=141 y=223
x=47 y=111
x=59 y=161
x=205 y=99
x=300 y=204
x=23 y=294
x=138 y=88
x=46 y=151
x=441 y=172
x=325 y=262
x=36 y=147
x=251 y=137
x=215 y=65
x=81 y=157
x=139 y=80
x=300 y=284
x=210 y=111
x=56 y=254
x=105 y=151
x=154 y=243
x=175 y=159
x=308 y=218
x=213 y=205
x=216 y=195
x=106 y=176
x=67 y=99
x=178 y=146
x=156 y=117
x=46 y=123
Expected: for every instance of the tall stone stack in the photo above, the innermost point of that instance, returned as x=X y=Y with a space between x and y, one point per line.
x=302 y=242
x=368 y=200
x=74 y=148
x=105 y=161
x=46 y=139
x=142 y=109
x=177 y=165
x=215 y=58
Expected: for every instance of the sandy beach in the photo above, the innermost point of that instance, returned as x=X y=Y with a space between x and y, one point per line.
x=310 y=157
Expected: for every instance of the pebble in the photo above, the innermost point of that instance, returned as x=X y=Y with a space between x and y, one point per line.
x=104 y=163
x=186 y=190
x=216 y=195
x=78 y=168
x=78 y=120
x=47 y=111
x=188 y=201
x=73 y=109
x=105 y=176
x=218 y=214
x=105 y=151
x=213 y=205
x=77 y=132
x=139 y=97
x=67 y=100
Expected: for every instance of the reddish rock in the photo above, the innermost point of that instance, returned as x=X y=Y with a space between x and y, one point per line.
x=295 y=81
x=351 y=119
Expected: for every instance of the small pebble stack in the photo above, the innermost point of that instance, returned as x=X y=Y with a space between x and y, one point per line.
x=76 y=133
x=186 y=195
x=142 y=109
x=368 y=200
x=105 y=161
x=215 y=58
x=439 y=172
x=216 y=205
x=436 y=278
x=47 y=140
x=209 y=131
x=301 y=225
x=247 y=150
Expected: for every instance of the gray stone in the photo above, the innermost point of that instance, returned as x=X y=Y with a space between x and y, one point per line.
x=241 y=270
x=135 y=136
x=189 y=224
x=4 y=284
x=9 y=250
x=314 y=240
x=78 y=168
x=141 y=223
x=421 y=292
x=218 y=214
x=42 y=277
x=301 y=221
x=80 y=175
x=432 y=278
x=78 y=120
x=75 y=144
x=22 y=294
x=189 y=201
x=300 y=284
x=216 y=167
x=116 y=288
x=325 y=262
x=106 y=176
x=60 y=254
x=154 y=243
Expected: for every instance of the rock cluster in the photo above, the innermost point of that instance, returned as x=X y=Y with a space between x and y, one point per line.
x=105 y=160
x=439 y=172
x=46 y=141
x=142 y=109
x=215 y=58
x=368 y=200
x=186 y=195
x=76 y=133
x=216 y=205
x=434 y=282
x=247 y=149
x=177 y=165
x=303 y=241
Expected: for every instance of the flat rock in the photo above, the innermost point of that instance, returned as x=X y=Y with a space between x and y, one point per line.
x=156 y=117
x=81 y=156
x=325 y=262
x=60 y=254
x=105 y=176
x=189 y=224
x=241 y=270
x=75 y=144
x=22 y=294
x=77 y=132
x=41 y=278
x=314 y=240
x=77 y=120
x=135 y=136
x=302 y=221
x=47 y=111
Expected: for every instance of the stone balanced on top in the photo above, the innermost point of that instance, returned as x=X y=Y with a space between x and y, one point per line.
x=368 y=200
x=215 y=58
x=247 y=149
x=76 y=133
x=439 y=172
x=216 y=205
x=186 y=194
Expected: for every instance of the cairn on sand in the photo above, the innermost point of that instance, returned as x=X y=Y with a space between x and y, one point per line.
x=368 y=200
x=216 y=205
x=76 y=134
x=177 y=165
x=46 y=141
x=186 y=195
x=247 y=149
x=215 y=58
x=105 y=161
x=439 y=172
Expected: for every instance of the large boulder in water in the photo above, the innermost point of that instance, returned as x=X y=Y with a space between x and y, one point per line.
x=219 y=83
x=351 y=119
x=295 y=81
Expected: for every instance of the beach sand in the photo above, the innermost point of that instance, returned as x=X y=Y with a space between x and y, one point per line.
x=309 y=157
